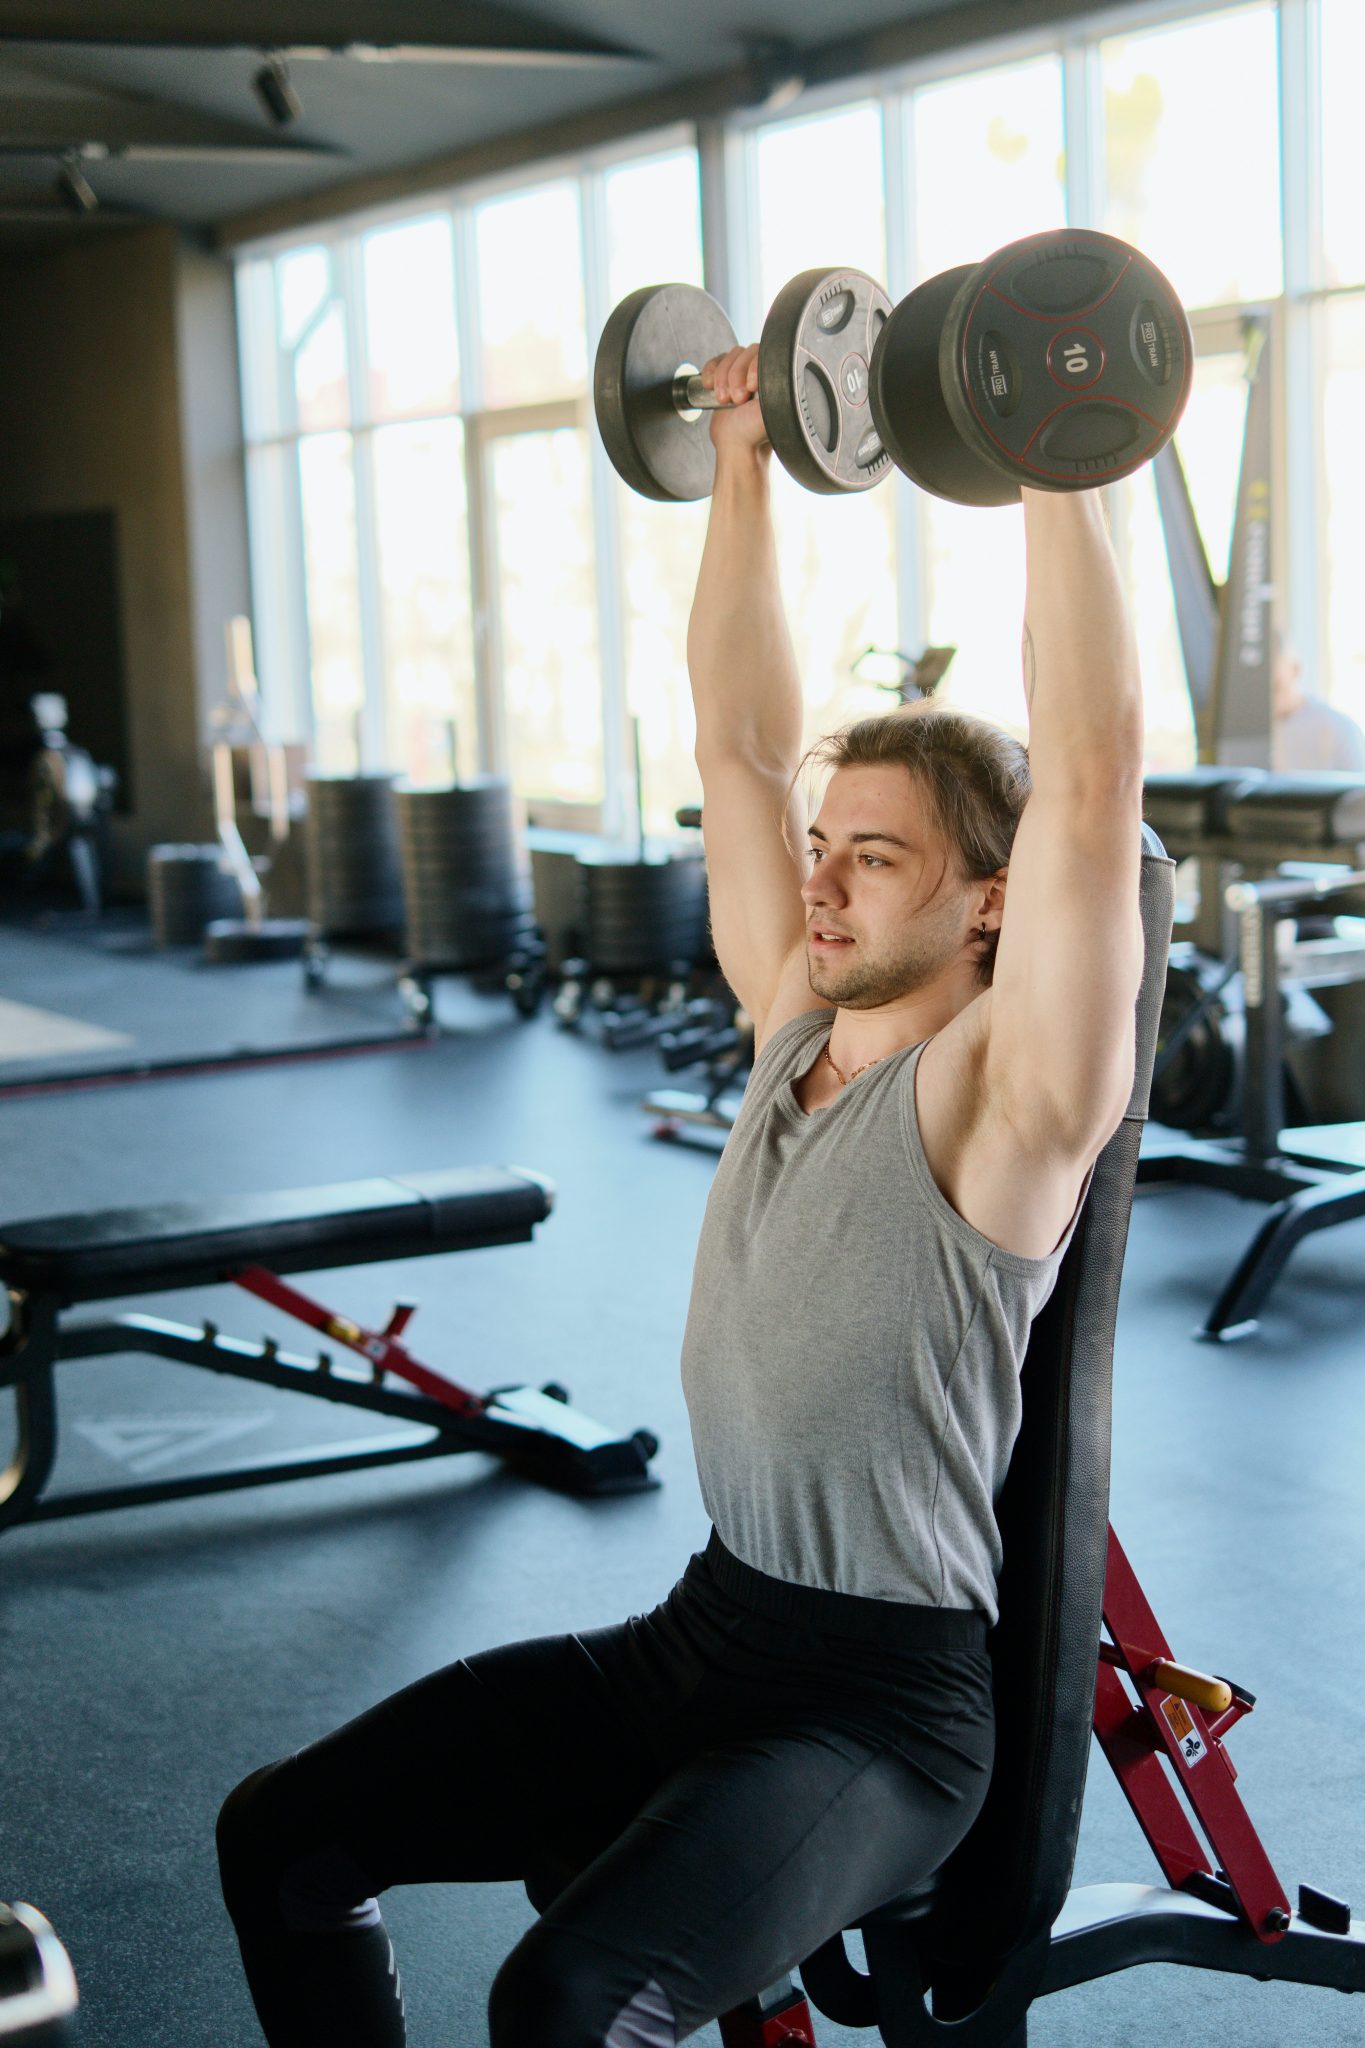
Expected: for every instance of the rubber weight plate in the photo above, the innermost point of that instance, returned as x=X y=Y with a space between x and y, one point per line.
x=654 y=334
x=908 y=406
x=1066 y=360
x=814 y=366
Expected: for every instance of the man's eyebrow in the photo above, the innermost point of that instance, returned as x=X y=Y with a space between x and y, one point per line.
x=862 y=838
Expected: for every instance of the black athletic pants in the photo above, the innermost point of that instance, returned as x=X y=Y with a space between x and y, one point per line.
x=695 y=1799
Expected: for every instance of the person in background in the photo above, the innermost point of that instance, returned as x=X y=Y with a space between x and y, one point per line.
x=1309 y=734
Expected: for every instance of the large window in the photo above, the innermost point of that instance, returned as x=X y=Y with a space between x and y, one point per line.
x=988 y=163
x=430 y=556
x=447 y=574
x=1192 y=154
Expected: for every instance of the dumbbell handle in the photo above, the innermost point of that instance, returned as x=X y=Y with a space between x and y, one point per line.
x=691 y=395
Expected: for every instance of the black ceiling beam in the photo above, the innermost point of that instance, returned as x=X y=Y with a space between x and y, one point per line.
x=475 y=26
x=123 y=126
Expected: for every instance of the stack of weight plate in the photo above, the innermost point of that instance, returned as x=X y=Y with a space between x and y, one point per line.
x=557 y=892
x=355 y=882
x=187 y=888
x=463 y=888
x=642 y=916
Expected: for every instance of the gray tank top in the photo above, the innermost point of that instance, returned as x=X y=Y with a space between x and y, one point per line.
x=852 y=1353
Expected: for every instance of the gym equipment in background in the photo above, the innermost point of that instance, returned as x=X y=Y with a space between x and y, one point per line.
x=188 y=888
x=466 y=898
x=1289 y=841
x=720 y=1053
x=999 y=1926
x=38 y=1996
x=52 y=1263
x=67 y=799
x=355 y=875
x=1225 y=629
x=644 y=935
x=255 y=935
x=813 y=366
x=911 y=679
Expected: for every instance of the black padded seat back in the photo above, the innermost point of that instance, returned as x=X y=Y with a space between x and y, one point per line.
x=1324 y=809
x=1008 y=1880
x=112 y=1252
x=1190 y=804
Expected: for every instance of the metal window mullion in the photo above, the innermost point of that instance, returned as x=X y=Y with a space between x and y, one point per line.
x=299 y=652
x=1083 y=133
x=744 y=307
x=1300 y=516
x=722 y=227
x=614 y=711
x=373 y=724
x=902 y=265
x=490 y=737
x=494 y=749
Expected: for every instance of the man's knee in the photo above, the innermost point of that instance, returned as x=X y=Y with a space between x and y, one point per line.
x=557 y=1991
x=248 y=1827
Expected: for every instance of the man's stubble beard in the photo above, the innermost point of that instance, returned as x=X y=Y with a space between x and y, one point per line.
x=870 y=983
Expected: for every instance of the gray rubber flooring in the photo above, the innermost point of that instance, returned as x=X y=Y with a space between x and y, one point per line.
x=152 y=1656
x=108 y=1001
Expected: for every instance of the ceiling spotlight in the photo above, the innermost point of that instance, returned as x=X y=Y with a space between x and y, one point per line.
x=777 y=72
x=274 y=88
x=74 y=188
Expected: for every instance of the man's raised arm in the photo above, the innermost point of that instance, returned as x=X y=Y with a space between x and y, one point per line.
x=747 y=695
x=1060 y=1044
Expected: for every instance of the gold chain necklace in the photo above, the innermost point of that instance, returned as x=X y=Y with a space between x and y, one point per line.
x=844 y=1078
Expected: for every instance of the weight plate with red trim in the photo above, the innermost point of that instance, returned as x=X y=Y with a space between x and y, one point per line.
x=1065 y=360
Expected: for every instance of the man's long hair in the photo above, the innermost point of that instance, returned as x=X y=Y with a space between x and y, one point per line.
x=974 y=778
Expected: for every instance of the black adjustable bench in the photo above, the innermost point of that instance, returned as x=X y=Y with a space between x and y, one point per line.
x=52 y=1264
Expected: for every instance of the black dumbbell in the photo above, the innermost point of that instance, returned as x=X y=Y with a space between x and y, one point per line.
x=814 y=360
x=1061 y=362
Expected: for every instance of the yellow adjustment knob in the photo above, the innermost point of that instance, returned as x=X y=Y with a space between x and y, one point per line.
x=1214 y=1695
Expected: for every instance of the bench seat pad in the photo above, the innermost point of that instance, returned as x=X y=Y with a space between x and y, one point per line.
x=292 y=1230
x=1181 y=804
x=1327 y=809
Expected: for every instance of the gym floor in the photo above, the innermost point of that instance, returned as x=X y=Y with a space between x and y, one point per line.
x=153 y=1656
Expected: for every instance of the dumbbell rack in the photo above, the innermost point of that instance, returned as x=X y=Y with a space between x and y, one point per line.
x=1315 y=1175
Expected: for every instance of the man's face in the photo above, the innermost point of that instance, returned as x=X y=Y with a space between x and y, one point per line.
x=886 y=910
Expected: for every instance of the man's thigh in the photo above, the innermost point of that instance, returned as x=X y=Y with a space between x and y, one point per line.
x=741 y=1863
x=513 y=1759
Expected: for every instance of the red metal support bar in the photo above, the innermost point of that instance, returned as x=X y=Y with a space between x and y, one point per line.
x=1133 y=1738
x=756 y=2025
x=380 y=1347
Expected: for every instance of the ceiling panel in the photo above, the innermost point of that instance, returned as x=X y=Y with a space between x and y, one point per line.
x=157 y=100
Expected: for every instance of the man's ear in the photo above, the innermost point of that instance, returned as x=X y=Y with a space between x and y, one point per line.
x=992 y=898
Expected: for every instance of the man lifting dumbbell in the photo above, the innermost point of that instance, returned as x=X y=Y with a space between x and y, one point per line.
x=942 y=976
